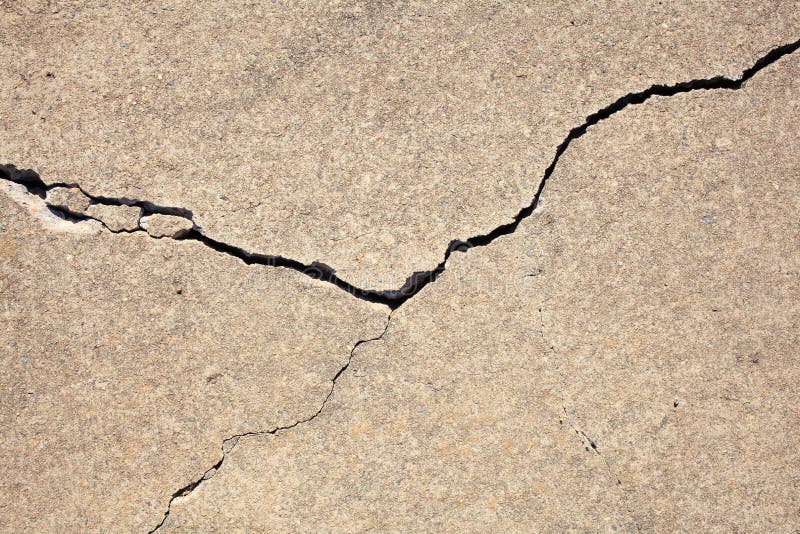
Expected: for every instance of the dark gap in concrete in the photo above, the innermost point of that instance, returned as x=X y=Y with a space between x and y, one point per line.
x=394 y=298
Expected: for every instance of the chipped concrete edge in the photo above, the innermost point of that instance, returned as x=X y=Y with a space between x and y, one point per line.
x=42 y=212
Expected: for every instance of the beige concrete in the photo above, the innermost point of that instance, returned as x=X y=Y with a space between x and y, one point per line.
x=126 y=361
x=42 y=214
x=116 y=218
x=365 y=135
x=158 y=225
x=626 y=361
x=67 y=198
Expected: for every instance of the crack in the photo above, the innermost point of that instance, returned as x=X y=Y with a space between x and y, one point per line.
x=31 y=180
x=420 y=279
x=394 y=298
x=589 y=444
x=587 y=441
x=67 y=214
x=228 y=444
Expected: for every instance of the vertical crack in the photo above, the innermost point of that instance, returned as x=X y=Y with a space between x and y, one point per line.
x=589 y=443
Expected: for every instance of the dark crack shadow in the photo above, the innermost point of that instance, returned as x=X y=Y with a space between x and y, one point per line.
x=394 y=298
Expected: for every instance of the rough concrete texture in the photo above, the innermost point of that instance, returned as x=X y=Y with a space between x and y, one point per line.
x=159 y=225
x=116 y=218
x=623 y=360
x=365 y=135
x=626 y=361
x=128 y=360
x=68 y=198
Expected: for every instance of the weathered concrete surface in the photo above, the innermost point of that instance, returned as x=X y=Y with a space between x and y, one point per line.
x=127 y=360
x=365 y=135
x=627 y=360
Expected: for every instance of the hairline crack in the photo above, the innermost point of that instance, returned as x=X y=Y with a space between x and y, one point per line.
x=229 y=443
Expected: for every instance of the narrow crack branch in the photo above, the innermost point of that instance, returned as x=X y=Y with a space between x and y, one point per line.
x=588 y=443
x=228 y=444
x=394 y=298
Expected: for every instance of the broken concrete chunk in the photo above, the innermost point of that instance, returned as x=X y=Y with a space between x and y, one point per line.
x=39 y=210
x=159 y=225
x=116 y=218
x=68 y=198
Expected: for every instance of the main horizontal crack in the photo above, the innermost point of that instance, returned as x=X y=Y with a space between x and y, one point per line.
x=394 y=298
x=317 y=270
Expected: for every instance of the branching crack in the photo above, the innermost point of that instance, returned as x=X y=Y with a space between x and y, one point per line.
x=418 y=280
x=228 y=444
x=394 y=298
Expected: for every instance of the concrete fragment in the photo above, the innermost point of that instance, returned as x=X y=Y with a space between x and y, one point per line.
x=159 y=225
x=68 y=198
x=116 y=218
x=43 y=215
x=363 y=135
x=643 y=380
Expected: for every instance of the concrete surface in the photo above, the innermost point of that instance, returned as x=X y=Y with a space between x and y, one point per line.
x=625 y=360
x=365 y=135
x=128 y=360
